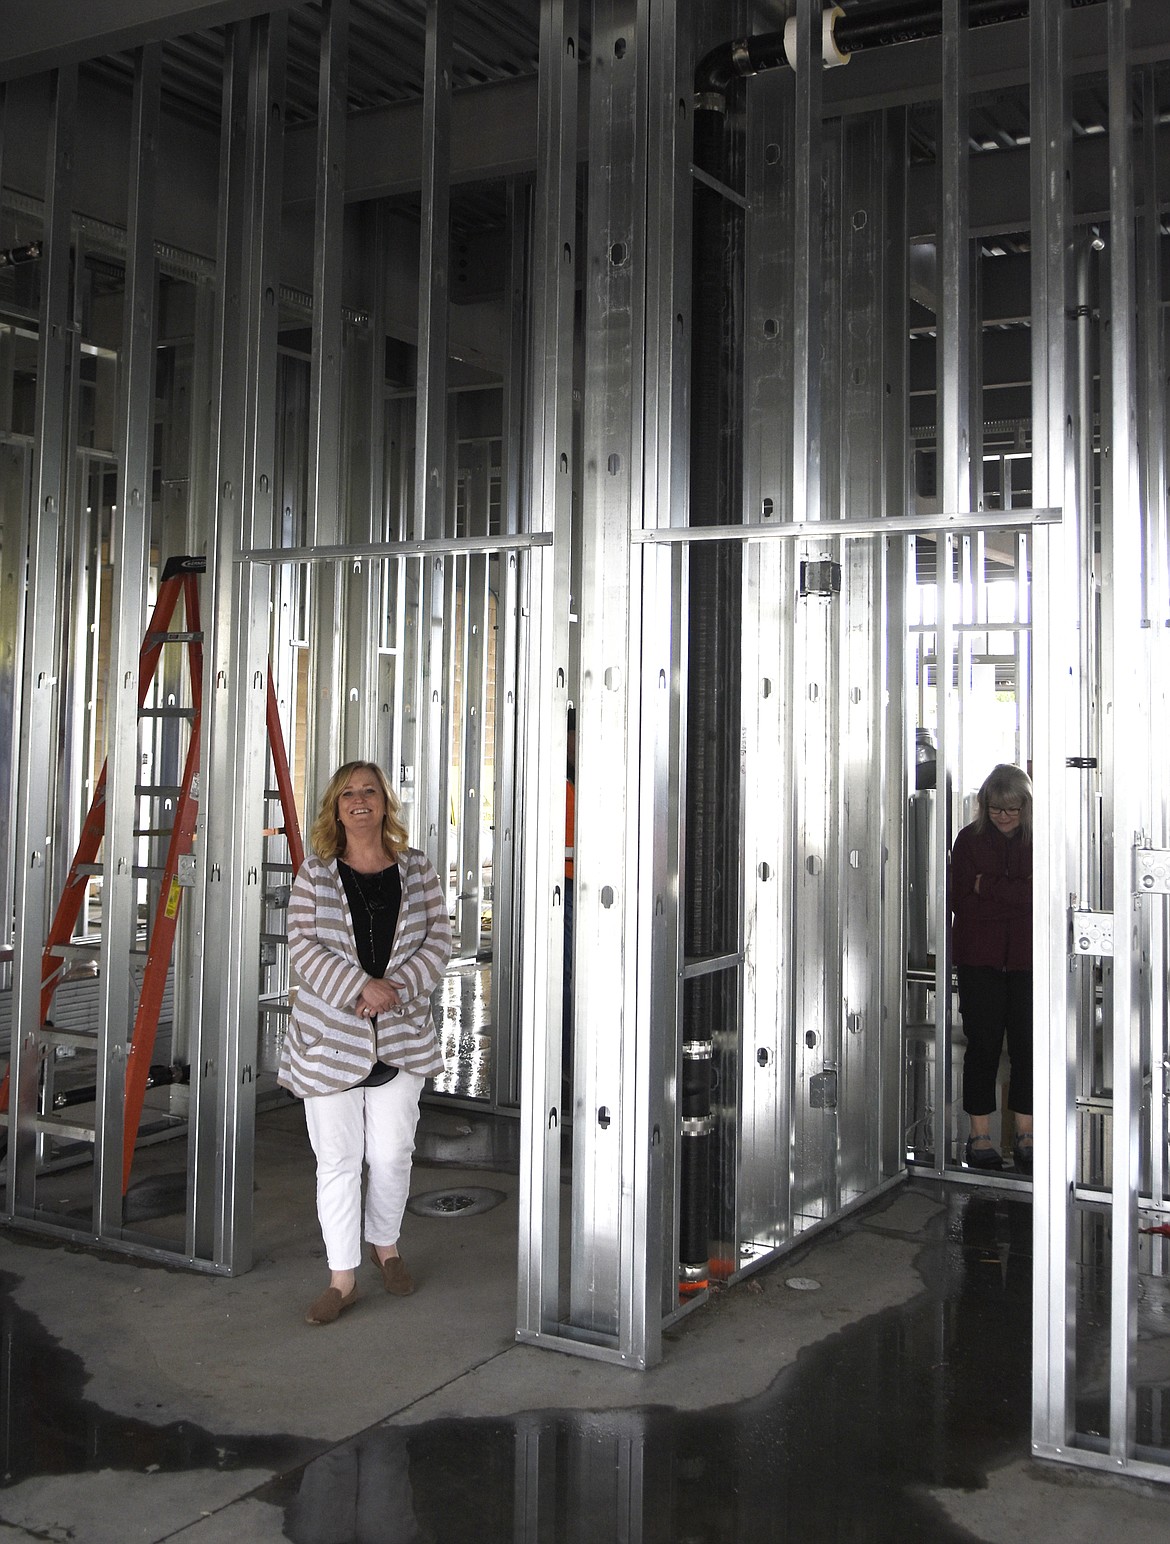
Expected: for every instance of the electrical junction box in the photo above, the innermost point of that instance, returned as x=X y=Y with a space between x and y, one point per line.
x=1152 y=870
x=820 y=577
x=1092 y=932
x=822 y=1091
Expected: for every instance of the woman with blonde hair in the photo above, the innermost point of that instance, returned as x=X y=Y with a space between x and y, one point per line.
x=991 y=944
x=368 y=938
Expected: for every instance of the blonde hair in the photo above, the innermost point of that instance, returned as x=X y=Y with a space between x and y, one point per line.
x=327 y=834
x=1013 y=784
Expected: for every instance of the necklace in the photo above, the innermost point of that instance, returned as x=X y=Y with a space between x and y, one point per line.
x=379 y=899
x=383 y=897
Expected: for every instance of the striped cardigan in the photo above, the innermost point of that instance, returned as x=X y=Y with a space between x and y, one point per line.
x=327 y=1046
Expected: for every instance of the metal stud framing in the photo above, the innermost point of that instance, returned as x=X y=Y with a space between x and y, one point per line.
x=326 y=514
x=223 y=1117
x=1121 y=546
x=808 y=1118
x=954 y=482
x=131 y=543
x=766 y=1163
x=507 y=854
x=544 y=645
x=34 y=823
x=1054 y=644
x=432 y=439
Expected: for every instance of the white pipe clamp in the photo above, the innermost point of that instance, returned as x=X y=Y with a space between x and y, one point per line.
x=830 y=53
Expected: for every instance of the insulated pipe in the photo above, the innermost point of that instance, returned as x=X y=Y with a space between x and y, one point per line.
x=695 y=1168
x=849 y=32
x=26 y=254
x=712 y=694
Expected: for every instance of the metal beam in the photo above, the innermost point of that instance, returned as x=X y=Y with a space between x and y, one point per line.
x=493 y=134
x=493 y=127
x=906 y=73
x=999 y=195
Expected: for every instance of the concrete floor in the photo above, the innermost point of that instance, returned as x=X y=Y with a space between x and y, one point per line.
x=889 y=1401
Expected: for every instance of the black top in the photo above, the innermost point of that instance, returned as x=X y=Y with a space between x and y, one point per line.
x=374 y=903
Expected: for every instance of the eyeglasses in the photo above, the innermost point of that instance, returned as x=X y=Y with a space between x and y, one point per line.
x=1004 y=809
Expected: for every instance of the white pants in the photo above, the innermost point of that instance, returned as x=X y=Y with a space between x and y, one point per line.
x=376 y=1124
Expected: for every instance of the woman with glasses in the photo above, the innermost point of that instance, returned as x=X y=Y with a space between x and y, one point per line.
x=991 y=948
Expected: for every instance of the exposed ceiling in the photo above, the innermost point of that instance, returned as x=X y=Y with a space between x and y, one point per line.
x=495 y=61
x=492 y=40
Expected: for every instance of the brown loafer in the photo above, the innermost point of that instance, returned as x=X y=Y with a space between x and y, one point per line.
x=324 y=1309
x=395 y=1276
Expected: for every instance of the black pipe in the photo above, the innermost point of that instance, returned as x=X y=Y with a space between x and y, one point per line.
x=855 y=31
x=694 y=1240
x=694 y=1247
x=710 y=883
x=741 y=56
x=904 y=21
x=11 y=256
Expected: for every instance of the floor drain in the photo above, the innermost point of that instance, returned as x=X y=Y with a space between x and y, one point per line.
x=467 y=1201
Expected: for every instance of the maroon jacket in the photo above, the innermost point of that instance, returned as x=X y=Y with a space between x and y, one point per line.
x=992 y=928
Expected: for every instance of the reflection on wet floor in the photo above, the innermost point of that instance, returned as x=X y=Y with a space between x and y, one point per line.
x=1151 y=1361
x=452 y=1139
x=847 y=1444
x=843 y=1445
x=48 y=1427
x=465 y=1031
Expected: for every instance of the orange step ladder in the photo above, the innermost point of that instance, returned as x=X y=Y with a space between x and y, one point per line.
x=179 y=580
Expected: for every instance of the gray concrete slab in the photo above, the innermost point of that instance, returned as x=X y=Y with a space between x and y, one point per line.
x=201 y=1408
x=121 y=1507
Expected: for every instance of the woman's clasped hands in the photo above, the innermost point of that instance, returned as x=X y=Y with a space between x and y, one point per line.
x=377 y=996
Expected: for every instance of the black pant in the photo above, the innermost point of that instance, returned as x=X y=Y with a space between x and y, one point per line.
x=992 y=1002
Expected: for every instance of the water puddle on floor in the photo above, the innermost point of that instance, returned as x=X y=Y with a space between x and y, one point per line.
x=47 y=1426
x=844 y=1446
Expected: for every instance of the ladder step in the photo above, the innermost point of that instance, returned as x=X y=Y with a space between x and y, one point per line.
x=168 y=637
x=82 y=1039
x=80 y=951
x=187 y=713
x=139 y=870
x=66 y=1130
x=158 y=790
